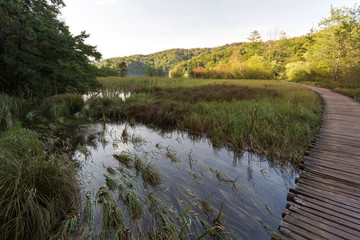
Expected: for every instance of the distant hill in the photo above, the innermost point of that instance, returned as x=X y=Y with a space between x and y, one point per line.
x=166 y=60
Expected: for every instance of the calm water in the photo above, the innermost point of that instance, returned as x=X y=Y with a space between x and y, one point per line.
x=194 y=174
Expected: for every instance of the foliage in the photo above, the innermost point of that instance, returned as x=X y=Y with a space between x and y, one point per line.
x=122 y=68
x=297 y=71
x=38 y=54
x=327 y=53
x=154 y=72
x=166 y=60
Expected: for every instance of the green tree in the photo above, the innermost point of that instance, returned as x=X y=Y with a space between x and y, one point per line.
x=254 y=36
x=122 y=68
x=38 y=54
x=335 y=43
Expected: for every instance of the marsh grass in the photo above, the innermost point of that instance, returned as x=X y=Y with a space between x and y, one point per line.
x=111 y=213
x=171 y=154
x=134 y=205
x=222 y=177
x=124 y=159
x=111 y=183
x=88 y=212
x=37 y=191
x=9 y=109
x=267 y=117
x=151 y=175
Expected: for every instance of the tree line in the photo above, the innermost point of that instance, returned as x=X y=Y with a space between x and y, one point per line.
x=38 y=54
x=328 y=53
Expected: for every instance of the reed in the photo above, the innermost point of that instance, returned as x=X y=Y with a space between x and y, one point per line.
x=268 y=117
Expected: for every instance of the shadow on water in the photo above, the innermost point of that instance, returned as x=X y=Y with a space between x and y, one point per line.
x=139 y=183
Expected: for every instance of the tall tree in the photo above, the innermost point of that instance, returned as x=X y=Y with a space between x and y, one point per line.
x=122 y=68
x=254 y=36
x=335 y=41
x=38 y=54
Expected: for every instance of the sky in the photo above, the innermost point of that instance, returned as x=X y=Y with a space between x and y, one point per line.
x=125 y=27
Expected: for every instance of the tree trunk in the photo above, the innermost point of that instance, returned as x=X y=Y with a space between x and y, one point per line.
x=337 y=63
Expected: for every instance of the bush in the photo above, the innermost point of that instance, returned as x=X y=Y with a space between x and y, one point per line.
x=35 y=192
x=297 y=71
x=63 y=105
x=176 y=73
x=257 y=67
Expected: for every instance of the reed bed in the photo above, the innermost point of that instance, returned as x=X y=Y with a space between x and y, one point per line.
x=268 y=117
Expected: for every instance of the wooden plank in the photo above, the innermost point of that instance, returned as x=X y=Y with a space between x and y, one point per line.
x=328 y=197
x=320 y=185
x=280 y=236
x=298 y=231
x=325 y=204
x=352 y=228
x=331 y=182
x=327 y=228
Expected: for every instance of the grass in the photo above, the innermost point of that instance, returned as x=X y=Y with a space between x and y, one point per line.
x=111 y=213
x=348 y=89
x=9 y=108
x=124 y=159
x=37 y=191
x=267 y=117
x=134 y=205
x=151 y=175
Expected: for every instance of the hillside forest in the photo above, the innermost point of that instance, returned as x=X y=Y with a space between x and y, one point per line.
x=329 y=52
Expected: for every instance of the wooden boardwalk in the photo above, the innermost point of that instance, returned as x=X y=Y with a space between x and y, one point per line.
x=325 y=203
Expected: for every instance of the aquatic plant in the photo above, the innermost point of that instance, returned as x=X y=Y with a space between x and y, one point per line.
x=111 y=213
x=111 y=183
x=124 y=159
x=151 y=175
x=171 y=154
x=134 y=205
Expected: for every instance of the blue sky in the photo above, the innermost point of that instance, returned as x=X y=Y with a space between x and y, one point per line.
x=126 y=27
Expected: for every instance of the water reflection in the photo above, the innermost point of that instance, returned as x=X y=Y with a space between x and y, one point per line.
x=193 y=174
x=116 y=94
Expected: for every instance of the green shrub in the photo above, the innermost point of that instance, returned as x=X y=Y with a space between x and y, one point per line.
x=257 y=67
x=297 y=71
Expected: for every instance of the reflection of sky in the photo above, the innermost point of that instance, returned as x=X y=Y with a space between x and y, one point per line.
x=261 y=186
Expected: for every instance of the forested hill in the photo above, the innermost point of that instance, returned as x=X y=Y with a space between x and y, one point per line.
x=330 y=52
x=165 y=60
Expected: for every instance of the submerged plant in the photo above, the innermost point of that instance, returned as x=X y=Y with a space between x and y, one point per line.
x=111 y=213
x=222 y=177
x=124 y=159
x=151 y=175
x=134 y=205
x=111 y=183
x=171 y=154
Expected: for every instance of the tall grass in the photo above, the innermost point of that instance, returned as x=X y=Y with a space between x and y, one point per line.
x=268 y=117
x=349 y=89
x=36 y=191
x=9 y=109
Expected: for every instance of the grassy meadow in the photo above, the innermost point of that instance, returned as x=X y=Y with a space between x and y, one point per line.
x=270 y=118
